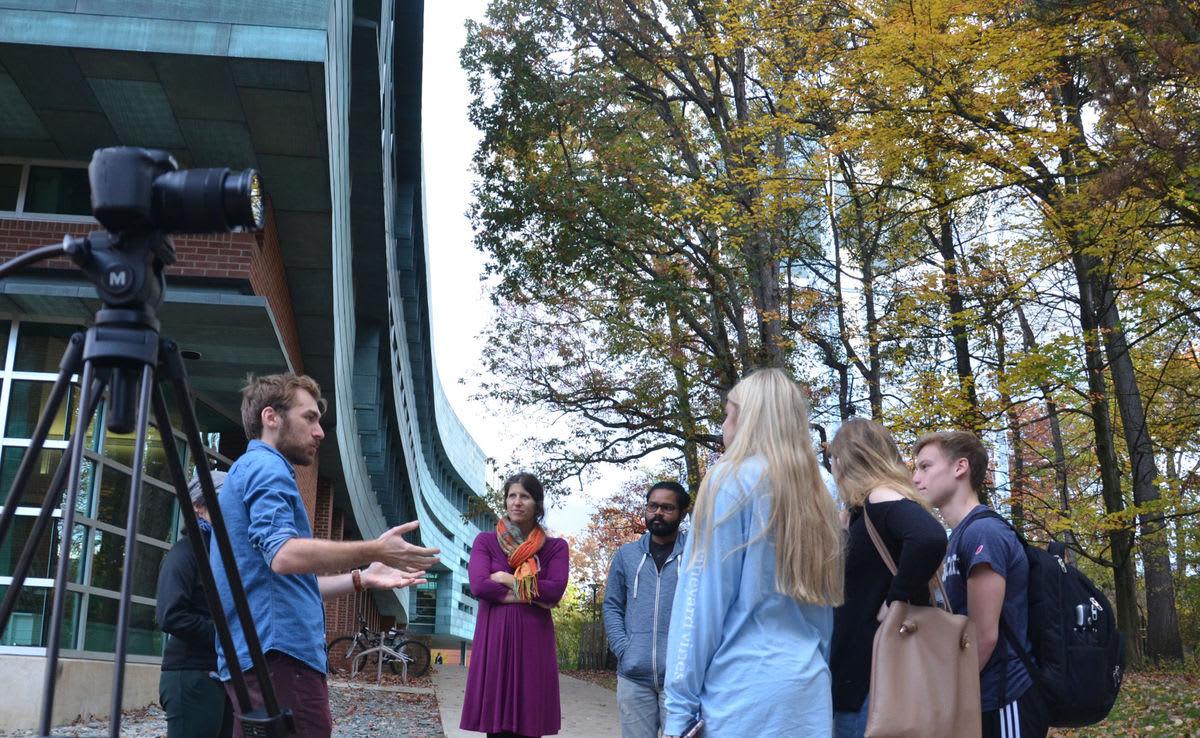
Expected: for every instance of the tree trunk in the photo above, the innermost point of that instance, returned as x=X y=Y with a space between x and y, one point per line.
x=1016 y=466
x=1121 y=540
x=944 y=241
x=874 y=381
x=683 y=400
x=1162 y=623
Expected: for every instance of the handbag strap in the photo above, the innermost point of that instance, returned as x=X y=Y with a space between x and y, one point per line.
x=891 y=563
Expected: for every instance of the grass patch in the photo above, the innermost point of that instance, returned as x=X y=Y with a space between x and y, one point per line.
x=601 y=677
x=1152 y=703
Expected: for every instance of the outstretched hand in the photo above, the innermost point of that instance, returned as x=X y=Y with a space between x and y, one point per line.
x=400 y=554
x=381 y=576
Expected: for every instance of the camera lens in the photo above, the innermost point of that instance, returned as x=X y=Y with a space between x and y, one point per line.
x=207 y=201
x=244 y=200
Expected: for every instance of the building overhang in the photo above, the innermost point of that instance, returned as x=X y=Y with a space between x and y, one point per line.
x=233 y=333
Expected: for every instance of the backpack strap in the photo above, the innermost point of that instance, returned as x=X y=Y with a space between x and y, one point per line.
x=1005 y=631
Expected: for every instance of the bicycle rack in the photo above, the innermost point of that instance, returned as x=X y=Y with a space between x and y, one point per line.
x=382 y=651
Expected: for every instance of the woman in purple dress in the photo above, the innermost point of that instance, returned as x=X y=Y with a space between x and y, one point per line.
x=518 y=574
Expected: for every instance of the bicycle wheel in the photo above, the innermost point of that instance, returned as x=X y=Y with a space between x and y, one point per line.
x=340 y=652
x=414 y=655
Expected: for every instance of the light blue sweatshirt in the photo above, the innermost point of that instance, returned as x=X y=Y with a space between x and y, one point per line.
x=637 y=610
x=745 y=658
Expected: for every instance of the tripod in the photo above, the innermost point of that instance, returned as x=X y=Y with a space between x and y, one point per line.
x=124 y=354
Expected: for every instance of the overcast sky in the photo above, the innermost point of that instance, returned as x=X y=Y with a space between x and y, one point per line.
x=459 y=304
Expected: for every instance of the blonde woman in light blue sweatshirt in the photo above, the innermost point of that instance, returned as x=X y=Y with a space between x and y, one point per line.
x=748 y=650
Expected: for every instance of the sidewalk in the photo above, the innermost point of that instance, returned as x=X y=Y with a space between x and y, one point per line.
x=588 y=711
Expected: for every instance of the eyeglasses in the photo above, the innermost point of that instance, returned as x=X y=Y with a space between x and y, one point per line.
x=653 y=507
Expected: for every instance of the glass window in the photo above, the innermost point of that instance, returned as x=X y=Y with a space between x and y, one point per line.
x=155 y=464
x=4 y=328
x=60 y=190
x=147 y=561
x=75 y=566
x=112 y=505
x=39 y=481
x=119 y=447
x=40 y=346
x=426 y=612
x=145 y=639
x=156 y=514
x=10 y=185
x=26 y=403
x=101 y=633
x=27 y=626
x=13 y=546
x=87 y=487
x=108 y=558
x=219 y=432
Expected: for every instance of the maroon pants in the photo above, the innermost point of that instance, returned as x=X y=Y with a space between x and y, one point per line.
x=298 y=687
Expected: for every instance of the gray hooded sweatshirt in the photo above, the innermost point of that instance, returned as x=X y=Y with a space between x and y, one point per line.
x=637 y=610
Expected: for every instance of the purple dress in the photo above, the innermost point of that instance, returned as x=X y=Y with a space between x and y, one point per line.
x=512 y=683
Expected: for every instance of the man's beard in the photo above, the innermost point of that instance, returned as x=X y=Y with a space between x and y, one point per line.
x=294 y=451
x=659 y=527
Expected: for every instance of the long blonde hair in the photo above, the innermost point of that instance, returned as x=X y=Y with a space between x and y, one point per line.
x=772 y=424
x=868 y=458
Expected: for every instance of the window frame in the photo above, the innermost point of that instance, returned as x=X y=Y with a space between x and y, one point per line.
x=23 y=189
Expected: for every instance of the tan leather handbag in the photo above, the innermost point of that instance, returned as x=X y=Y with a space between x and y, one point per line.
x=924 y=669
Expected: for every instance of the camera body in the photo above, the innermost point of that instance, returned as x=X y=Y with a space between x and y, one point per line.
x=136 y=189
x=141 y=196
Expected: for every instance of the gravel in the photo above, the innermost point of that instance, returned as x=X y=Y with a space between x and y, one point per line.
x=358 y=711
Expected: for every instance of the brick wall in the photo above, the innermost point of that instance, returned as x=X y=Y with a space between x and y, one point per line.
x=322 y=518
x=307 y=479
x=268 y=279
x=217 y=255
x=257 y=258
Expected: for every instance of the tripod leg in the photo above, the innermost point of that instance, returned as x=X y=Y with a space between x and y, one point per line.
x=42 y=522
x=66 y=367
x=135 y=493
x=54 y=637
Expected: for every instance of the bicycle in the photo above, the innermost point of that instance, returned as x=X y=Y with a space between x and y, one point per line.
x=411 y=659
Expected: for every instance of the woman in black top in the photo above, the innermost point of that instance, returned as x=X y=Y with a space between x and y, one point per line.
x=873 y=479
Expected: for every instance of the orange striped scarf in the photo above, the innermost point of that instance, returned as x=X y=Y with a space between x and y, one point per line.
x=522 y=555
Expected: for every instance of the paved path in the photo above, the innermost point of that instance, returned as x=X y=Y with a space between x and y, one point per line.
x=588 y=710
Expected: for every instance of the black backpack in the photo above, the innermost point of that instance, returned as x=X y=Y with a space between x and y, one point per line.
x=1079 y=653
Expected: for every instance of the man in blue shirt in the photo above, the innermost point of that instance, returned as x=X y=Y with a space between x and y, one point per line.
x=986 y=578
x=278 y=559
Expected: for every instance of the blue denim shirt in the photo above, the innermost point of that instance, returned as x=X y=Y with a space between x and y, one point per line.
x=263 y=510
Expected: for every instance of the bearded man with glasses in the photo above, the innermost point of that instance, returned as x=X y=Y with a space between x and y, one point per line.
x=637 y=610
